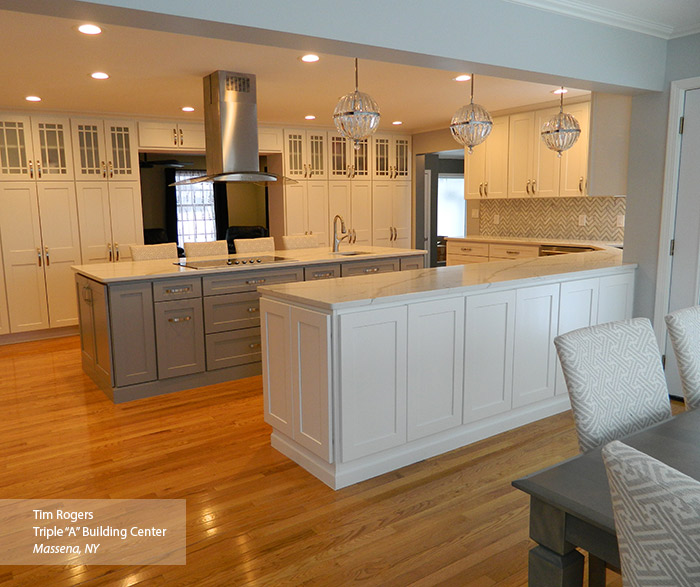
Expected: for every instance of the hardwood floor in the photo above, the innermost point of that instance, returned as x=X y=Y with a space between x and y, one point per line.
x=253 y=516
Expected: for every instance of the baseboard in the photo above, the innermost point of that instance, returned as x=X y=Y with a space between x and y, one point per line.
x=33 y=335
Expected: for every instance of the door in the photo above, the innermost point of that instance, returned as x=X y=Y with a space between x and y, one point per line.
x=474 y=167
x=496 y=170
x=295 y=209
x=16 y=155
x=520 y=145
x=125 y=218
x=361 y=211
x=382 y=213
x=401 y=213
x=191 y=136
x=4 y=316
x=317 y=210
x=52 y=152
x=547 y=166
x=121 y=150
x=574 y=162
x=94 y=220
x=89 y=155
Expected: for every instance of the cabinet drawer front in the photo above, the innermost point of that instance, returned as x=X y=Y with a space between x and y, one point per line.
x=413 y=262
x=322 y=272
x=231 y=311
x=237 y=347
x=369 y=267
x=467 y=248
x=249 y=280
x=177 y=289
x=514 y=251
x=465 y=260
x=179 y=337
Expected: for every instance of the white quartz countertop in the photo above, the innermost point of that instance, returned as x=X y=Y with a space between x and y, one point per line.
x=364 y=290
x=137 y=270
x=521 y=240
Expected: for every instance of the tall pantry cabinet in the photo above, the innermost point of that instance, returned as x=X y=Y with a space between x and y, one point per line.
x=38 y=222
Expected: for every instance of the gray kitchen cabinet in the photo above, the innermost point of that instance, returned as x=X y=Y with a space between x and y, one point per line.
x=94 y=328
x=133 y=333
x=231 y=311
x=370 y=267
x=179 y=337
x=412 y=262
x=322 y=272
x=237 y=347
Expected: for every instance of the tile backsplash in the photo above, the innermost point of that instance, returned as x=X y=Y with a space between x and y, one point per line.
x=556 y=218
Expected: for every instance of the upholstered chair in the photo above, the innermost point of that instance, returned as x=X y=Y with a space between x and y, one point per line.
x=684 y=332
x=254 y=245
x=657 y=519
x=208 y=249
x=615 y=380
x=299 y=241
x=154 y=252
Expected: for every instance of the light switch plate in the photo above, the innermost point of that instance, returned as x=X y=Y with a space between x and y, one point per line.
x=582 y=220
x=475 y=213
x=496 y=219
x=620 y=220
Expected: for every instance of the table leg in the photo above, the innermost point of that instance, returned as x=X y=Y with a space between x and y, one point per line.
x=547 y=568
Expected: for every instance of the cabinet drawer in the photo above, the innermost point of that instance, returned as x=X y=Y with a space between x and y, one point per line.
x=177 y=289
x=231 y=311
x=179 y=337
x=465 y=260
x=237 y=347
x=413 y=262
x=467 y=248
x=369 y=267
x=322 y=272
x=249 y=280
x=514 y=251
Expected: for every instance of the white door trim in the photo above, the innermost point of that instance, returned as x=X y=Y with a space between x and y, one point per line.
x=669 y=202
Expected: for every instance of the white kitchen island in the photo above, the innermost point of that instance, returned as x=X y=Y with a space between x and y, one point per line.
x=367 y=374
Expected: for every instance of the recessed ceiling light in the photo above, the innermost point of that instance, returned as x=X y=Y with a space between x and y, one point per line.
x=560 y=91
x=187 y=109
x=397 y=122
x=33 y=99
x=99 y=75
x=462 y=78
x=89 y=29
x=310 y=117
x=310 y=58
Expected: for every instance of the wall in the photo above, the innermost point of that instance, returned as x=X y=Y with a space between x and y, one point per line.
x=555 y=218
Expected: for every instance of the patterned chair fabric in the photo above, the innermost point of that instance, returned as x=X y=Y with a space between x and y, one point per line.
x=684 y=332
x=657 y=519
x=154 y=252
x=615 y=380
x=301 y=241
x=254 y=245
x=209 y=249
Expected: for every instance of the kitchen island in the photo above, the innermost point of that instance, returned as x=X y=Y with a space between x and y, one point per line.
x=152 y=327
x=366 y=375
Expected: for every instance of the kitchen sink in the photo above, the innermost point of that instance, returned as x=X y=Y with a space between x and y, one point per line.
x=349 y=253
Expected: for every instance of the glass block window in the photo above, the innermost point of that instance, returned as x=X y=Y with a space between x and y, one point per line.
x=196 y=221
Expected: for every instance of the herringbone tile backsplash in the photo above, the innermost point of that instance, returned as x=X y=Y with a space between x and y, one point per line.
x=555 y=218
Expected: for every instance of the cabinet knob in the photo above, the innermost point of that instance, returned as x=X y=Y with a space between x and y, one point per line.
x=253 y=310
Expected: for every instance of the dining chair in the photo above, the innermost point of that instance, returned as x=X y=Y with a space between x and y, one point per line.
x=154 y=252
x=657 y=518
x=615 y=380
x=255 y=245
x=208 y=249
x=299 y=241
x=684 y=332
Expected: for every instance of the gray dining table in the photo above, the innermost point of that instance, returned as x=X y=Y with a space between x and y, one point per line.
x=570 y=504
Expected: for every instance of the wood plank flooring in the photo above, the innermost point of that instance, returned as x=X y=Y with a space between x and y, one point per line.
x=253 y=516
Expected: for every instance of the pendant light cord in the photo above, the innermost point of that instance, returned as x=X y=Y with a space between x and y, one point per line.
x=471 y=101
x=356 y=77
x=561 y=100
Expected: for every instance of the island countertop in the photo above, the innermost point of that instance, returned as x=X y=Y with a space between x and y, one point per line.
x=364 y=290
x=125 y=271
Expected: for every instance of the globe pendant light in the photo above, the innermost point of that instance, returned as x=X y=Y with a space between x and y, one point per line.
x=471 y=124
x=356 y=116
x=561 y=131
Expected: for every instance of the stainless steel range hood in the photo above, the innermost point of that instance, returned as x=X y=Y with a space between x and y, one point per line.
x=231 y=129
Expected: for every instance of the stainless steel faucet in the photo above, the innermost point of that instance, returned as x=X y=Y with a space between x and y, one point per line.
x=343 y=231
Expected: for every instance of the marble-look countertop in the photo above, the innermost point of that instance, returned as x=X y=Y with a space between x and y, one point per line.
x=137 y=270
x=364 y=290
x=521 y=240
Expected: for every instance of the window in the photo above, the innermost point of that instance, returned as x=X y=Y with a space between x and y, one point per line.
x=196 y=220
x=451 y=207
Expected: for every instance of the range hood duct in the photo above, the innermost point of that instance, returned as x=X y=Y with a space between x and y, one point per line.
x=231 y=130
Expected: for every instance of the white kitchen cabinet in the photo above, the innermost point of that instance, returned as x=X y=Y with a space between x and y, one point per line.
x=391 y=157
x=486 y=168
x=171 y=136
x=40 y=240
x=574 y=161
x=35 y=148
x=488 y=354
x=534 y=355
x=498 y=251
x=391 y=214
x=306 y=209
x=110 y=219
x=4 y=316
x=346 y=161
x=105 y=150
x=616 y=298
x=270 y=140
x=305 y=154
x=435 y=363
x=352 y=200
x=373 y=347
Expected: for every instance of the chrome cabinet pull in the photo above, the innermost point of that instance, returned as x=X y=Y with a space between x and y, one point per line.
x=254 y=345
x=38 y=170
x=31 y=170
x=580 y=185
x=111 y=170
x=534 y=186
x=104 y=169
x=182 y=138
x=116 y=251
x=87 y=295
x=38 y=254
x=109 y=250
x=371 y=269
x=466 y=249
x=311 y=170
x=481 y=190
x=46 y=252
x=253 y=310
x=527 y=186
x=512 y=252
x=256 y=281
x=354 y=236
x=175 y=137
x=180 y=319
x=177 y=290
x=322 y=274
x=486 y=189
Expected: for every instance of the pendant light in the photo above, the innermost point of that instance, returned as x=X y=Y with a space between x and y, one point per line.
x=561 y=131
x=471 y=124
x=356 y=116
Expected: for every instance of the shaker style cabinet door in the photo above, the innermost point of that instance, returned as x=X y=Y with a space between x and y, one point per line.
x=179 y=337
x=105 y=150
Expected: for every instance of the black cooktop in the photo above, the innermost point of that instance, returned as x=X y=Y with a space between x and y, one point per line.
x=231 y=262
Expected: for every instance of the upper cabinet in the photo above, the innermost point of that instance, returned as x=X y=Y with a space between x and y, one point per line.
x=391 y=157
x=270 y=140
x=172 y=136
x=574 y=162
x=305 y=154
x=486 y=168
x=347 y=160
x=105 y=149
x=36 y=147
